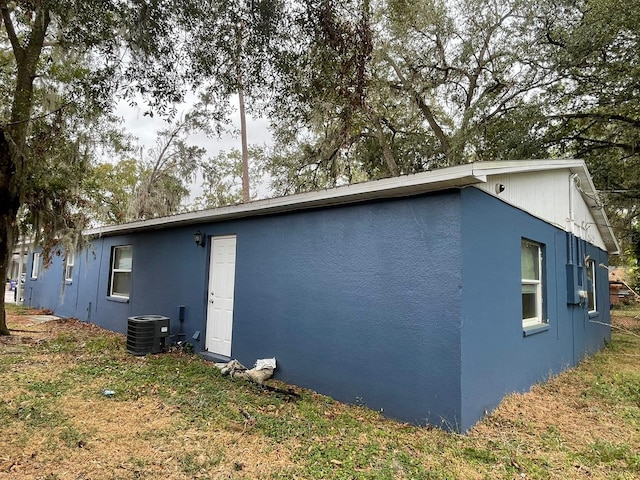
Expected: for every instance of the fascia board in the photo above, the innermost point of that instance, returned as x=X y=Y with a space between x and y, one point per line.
x=587 y=187
x=523 y=166
x=592 y=199
x=455 y=177
x=452 y=177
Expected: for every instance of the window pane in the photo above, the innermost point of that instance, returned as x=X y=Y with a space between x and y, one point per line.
x=591 y=286
x=530 y=261
x=35 y=266
x=121 y=283
x=68 y=271
x=122 y=259
x=529 y=301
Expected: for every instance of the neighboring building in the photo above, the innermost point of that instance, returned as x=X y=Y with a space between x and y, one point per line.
x=619 y=289
x=429 y=297
x=17 y=267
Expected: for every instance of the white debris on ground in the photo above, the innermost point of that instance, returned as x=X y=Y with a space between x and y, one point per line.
x=262 y=371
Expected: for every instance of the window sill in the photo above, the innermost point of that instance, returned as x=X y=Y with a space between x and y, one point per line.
x=118 y=299
x=527 y=331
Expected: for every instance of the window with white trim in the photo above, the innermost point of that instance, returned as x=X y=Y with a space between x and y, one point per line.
x=532 y=287
x=69 y=263
x=591 y=285
x=35 y=265
x=120 y=271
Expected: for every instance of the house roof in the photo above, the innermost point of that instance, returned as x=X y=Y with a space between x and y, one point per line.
x=460 y=176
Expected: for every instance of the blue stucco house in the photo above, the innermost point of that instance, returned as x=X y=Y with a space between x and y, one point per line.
x=429 y=296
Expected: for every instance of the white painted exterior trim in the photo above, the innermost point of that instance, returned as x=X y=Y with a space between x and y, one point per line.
x=518 y=176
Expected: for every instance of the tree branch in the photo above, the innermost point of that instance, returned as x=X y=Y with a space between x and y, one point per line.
x=44 y=115
x=18 y=50
x=601 y=116
x=424 y=108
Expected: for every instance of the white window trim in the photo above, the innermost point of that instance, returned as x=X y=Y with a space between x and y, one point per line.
x=539 y=319
x=591 y=265
x=113 y=270
x=69 y=263
x=35 y=265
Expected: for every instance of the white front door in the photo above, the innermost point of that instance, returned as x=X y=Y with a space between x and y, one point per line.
x=222 y=274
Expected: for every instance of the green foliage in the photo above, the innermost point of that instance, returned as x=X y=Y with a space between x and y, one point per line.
x=105 y=345
x=38 y=412
x=72 y=438
x=193 y=465
x=229 y=41
x=399 y=87
x=170 y=165
x=110 y=187
x=62 y=343
x=596 y=113
x=222 y=177
x=61 y=63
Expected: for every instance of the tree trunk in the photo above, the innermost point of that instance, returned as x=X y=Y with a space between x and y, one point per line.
x=13 y=138
x=9 y=203
x=387 y=153
x=246 y=197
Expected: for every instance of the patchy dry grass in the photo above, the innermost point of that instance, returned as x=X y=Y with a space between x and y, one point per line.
x=174 y=417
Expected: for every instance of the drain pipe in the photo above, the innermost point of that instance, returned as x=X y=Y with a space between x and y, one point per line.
x=572 y=221
x=573 y=296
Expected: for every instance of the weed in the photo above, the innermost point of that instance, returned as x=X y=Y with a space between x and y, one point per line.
x=54 y=388
x=38 y=412
x=63 y=343
x=480 y=455
x=13 y=309
x=554 y=438
x=192 y=464
x=105 y=344
x=617 y=387
x=7 y=413
x=611 y=454
x=72 y=438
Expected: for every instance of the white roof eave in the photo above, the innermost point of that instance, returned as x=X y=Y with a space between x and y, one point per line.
x=409 y=185
x=436 y=180
x=587 y=188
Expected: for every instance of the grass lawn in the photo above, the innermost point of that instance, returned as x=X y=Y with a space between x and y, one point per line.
x=173 y=416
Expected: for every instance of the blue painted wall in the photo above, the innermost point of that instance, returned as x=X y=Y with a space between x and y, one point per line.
x=167 y=272
x=497 y=359
x=360 y=302
x=411 y=305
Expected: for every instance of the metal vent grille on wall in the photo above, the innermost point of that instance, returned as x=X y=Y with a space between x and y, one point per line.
x=147 y=334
